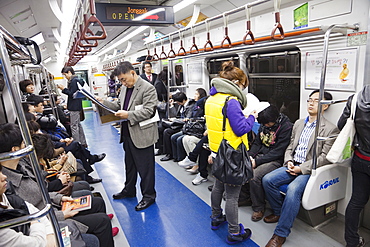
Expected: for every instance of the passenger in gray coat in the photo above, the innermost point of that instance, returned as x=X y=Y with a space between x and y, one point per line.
x=137 y=102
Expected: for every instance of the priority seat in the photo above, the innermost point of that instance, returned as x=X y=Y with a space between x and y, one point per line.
x=326 y=186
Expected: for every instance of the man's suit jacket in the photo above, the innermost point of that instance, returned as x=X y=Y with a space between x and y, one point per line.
x=323 y=147
x=153 y=79
x=143 y=94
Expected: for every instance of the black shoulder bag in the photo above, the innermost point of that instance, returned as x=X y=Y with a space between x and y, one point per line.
x=231 y=166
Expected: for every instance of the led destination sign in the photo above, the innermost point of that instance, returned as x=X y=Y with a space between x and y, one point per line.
x=131 y=14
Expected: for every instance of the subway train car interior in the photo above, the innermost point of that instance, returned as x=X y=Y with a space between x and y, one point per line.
x=95 y=115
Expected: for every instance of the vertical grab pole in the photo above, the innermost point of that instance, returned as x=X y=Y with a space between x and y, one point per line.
x=322 y=86
x=6 y=66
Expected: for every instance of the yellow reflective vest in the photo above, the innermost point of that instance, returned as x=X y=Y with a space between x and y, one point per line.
x=214 y=120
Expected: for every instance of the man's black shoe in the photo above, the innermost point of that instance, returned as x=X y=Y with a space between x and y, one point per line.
x=210 y=187
x=121 y=195
x=166 y=158
x=159 y=152
x=92 y=180
x=97 y=158
x=143 y=204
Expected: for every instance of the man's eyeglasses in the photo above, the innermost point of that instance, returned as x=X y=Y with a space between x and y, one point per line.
x=311 y=100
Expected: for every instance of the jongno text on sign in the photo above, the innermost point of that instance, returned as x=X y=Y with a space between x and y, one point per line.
x=133 y=14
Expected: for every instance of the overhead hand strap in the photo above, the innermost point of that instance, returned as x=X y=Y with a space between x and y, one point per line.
x=148 y=57
x=155 y=56
x=208 y=38
x=278 y=25
x=226 y=20
x=182 y=51
x=87 y=44
x=248 y=11
x=163 y=54
x=194 y=47
x=172 y=53
x=92 y=19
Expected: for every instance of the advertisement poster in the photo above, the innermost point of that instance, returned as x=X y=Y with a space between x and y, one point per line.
x=301 y=16
x=340 y=70
x=194 y=73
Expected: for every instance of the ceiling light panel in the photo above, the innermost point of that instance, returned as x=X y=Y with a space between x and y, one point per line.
x=19 y=15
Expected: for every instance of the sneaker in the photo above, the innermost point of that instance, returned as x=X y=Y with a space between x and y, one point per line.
x=199 y=179
x=361 y=242
x=244 y=234
x=218 y=221
x=115 y=231
x=186 y=162
x=193 y=170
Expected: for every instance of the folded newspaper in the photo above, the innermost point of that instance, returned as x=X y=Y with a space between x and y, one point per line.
x=107 y=115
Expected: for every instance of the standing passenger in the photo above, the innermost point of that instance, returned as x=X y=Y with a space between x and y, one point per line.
x=74 y=105
x=137 y=102
x=232 y=82
x=297 y=169
x=148 y=75
x=360 y=165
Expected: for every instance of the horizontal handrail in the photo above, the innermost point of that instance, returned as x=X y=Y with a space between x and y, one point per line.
x=16 y=154
x=25 y=219
x=323 y=138
x=331 y=102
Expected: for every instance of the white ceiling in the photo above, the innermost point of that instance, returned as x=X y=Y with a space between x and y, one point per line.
x=29 y=17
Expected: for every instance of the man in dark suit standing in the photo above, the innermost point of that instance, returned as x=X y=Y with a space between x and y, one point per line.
x=137 y=102
x=148 y=75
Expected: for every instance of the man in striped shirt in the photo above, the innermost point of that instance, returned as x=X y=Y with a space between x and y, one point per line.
x=297 y=169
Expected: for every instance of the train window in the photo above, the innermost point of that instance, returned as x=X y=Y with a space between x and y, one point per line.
x=214 y=64
x=275 y=77
x=83 y=75
x=179 y=75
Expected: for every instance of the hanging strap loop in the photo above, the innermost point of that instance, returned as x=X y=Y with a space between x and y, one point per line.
x=226 y=20
x=278 y=25
x=208 y=38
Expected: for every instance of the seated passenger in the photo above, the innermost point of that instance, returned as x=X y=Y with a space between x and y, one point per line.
x=37 y=233
x=297 y=169
x=178 y=150
x=69 y=145
x=20 y=172
x=27 y=88
x=184 y=111
x=267 y=154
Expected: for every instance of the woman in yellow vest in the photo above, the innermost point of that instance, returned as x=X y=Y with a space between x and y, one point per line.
x=231 y=83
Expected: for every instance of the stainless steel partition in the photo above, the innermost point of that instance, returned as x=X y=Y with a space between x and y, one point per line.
x=8 y=48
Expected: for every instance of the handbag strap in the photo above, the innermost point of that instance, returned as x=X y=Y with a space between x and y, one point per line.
x=353 y=106
x=224 y=115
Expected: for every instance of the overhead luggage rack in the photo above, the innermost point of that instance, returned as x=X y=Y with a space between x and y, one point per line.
x=14 y=53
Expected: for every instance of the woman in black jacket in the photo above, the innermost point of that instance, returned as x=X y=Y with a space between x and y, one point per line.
x=267 y=154
x=360 y=166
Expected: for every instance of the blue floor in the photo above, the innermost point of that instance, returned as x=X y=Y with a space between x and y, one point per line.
x=178 y=218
